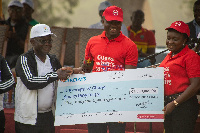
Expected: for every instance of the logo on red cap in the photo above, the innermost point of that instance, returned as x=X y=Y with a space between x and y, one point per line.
x=115 y=12
x=180 y=26
x=177 y=24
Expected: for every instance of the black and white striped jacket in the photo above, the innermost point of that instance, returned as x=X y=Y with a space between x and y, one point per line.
x=28 y=83
x=7 y=81
x=26 y=69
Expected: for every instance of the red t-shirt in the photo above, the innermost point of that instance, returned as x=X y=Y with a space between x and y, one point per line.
x=143 y=38
x=109 y=55
x=179 y=69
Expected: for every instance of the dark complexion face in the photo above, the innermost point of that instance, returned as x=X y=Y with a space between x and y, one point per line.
x=175 y=41
x=27 y=11
x=137 y=19
x=196 y=11
x=112 y=28
x=42 y=45
x=15 y=13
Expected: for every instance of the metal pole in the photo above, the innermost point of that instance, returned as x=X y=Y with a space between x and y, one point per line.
x=152 y=55
x=134 y=127
x=150 y=127
x=1 y=11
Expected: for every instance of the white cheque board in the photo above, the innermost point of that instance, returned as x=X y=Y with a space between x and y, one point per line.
x=133 y=95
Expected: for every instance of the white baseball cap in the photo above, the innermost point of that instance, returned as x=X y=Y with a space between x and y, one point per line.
x=104 y=5
x=28 y=2
x=40 y=30
x=15 y=3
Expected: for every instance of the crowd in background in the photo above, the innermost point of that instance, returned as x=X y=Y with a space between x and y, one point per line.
x=37 y=71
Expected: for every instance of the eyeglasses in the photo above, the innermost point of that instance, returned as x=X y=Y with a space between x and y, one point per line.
x=44 y=41
x=18 y=10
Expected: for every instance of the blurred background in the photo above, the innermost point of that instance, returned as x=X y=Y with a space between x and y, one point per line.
x=159 y=14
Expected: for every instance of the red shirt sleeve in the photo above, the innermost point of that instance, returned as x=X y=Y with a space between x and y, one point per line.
x=152 y=40
x=192 y=66
x=88 y=55
x=132 y=55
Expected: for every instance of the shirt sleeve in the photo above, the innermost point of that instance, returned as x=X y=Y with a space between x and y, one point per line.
x=7 y=80
x=192 y=66
x=152 y=40
x=88 y=55
x=132 y=55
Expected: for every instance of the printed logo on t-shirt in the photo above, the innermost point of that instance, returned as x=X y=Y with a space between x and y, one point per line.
x=104 y=63
x=167 y=77
x=142 y=37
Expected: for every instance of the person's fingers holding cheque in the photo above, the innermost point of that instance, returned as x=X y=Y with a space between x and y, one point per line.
x=153 y=66
x=73 y=70
x=69 y=70
x=64 y=73
x=78 y=71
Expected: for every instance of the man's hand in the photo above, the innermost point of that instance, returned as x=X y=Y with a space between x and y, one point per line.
x=169 y=108
x=87 y=65
x=78 y=70
x=196 y=48
x=64 y=73
x=153 y=66
x=68 y=69
x=140 y=53
x=2 y=17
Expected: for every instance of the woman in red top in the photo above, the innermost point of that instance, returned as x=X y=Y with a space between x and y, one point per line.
x=182 y=81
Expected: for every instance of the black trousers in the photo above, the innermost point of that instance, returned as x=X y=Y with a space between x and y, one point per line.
x=44 y=124
x=183 y=118
x=2 y=121
x=114 y=127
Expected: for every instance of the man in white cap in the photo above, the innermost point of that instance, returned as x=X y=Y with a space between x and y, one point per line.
x=28 y=9
x=99 y=25
x=37 y=75
x=18 y=29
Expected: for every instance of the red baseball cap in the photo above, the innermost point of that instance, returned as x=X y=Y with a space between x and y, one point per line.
x=113 y=13
x=180 y=26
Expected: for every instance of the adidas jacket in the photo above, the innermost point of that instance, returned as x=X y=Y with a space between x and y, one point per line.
x=6 y=79
x=28 y=82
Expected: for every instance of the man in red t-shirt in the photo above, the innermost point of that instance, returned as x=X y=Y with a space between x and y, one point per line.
x=110 y=51
x=143 y=38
